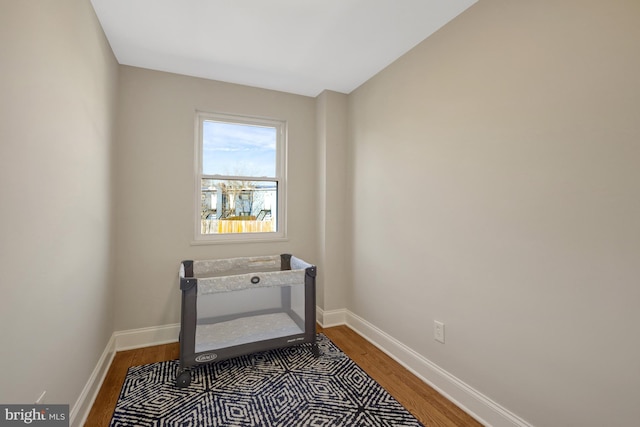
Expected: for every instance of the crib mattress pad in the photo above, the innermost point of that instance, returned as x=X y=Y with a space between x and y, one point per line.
x=244 y=330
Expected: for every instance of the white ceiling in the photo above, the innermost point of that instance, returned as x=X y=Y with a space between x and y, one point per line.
x=296 y=46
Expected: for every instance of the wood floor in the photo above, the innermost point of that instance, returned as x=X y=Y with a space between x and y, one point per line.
x=426 y=404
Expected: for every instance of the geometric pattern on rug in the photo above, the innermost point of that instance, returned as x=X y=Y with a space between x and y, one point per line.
x=286 y=387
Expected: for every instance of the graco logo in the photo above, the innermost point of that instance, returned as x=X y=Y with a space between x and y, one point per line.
x=208 y=357
x=38 y=415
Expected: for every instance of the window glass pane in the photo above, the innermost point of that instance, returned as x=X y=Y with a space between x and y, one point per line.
x=238 y=206
x=236 y=149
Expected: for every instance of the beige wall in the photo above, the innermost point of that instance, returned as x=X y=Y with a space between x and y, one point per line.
x=504 y=153
x=334 y=206
x=57 y=86
x=155 y=187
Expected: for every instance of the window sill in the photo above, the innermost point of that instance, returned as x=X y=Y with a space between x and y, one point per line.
x=225 y=241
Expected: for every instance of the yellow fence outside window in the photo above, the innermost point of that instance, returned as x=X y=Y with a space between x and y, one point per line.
x=228 y=226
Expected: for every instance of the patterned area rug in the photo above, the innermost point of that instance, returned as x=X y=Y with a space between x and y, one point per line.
x=286 y=387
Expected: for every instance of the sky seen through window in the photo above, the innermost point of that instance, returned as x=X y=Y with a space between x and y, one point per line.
x=236 y=149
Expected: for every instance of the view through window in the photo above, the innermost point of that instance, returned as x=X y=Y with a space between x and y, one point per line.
x=240 y=178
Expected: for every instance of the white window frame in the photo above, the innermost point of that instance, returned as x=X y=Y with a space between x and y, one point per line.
x=280 y=178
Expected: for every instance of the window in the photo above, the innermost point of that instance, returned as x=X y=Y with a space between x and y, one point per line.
x=240 y=185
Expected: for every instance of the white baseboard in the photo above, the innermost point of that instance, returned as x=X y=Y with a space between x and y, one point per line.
x=330 y=318
x=122 y=340
x=464 y=396
x=90 y=391
x=479 y=406
x=146 y=337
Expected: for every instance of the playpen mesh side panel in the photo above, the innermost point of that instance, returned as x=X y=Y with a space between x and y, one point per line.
x=211 y=285
x=244 y=330
x=222 y=267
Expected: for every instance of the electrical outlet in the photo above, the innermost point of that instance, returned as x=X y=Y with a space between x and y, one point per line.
x=41 y=398
x=438 y=331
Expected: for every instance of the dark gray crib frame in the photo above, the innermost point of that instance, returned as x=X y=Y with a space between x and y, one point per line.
x=189 y=316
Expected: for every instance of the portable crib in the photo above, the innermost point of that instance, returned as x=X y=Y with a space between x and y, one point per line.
x=237 y=306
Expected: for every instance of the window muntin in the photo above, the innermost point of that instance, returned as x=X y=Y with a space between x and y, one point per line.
x=240 y=178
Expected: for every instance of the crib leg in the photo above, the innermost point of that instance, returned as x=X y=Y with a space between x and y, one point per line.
x=315 y=350
x=183 y=379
